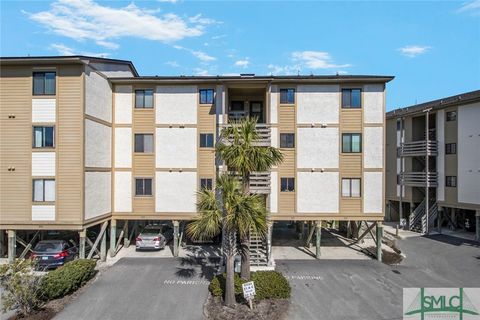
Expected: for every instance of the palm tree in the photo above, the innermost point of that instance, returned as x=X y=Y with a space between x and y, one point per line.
x=229 y=210
x=241 y=153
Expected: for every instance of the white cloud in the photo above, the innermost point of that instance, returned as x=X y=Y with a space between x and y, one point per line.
x=173 y=64
x=170 y=1
x=472 y=7
x=242 y=63
x=201 y=72
x=203 y=56
x=413 y=51
x=67 y=51
x=316 y=60
x=276 y=69
x=87 y=20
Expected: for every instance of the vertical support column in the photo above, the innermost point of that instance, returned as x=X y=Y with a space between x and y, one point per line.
x=349 y=229
x=81 y=252
x=427 y=171
x=477 y=221
x=318 y=236
x=12 y=245
x=379 y=240
x=126 y=240
x=113 y=237
x=103 y=247
x=269 y=243
x=176 y=227
x=439 y=219
x=400 y=214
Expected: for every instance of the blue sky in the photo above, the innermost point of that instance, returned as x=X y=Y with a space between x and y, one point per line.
x=431 y=47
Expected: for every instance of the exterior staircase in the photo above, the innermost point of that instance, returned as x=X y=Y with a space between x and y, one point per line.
x=258 y=250
x=418 y=218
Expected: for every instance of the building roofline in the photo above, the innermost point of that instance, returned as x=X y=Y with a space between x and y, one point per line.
x=259 y=78
x=459 y=99
x=65 y=59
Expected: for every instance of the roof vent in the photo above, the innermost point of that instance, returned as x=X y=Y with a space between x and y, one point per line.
x=247 y=75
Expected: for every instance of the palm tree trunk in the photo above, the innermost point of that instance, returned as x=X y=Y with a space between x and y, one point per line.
x=245 y=240
x=230 y=282
x=230 y=241
x=245 y=254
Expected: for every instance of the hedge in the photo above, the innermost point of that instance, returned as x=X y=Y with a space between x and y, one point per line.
x=268 y=285
x=67 y=279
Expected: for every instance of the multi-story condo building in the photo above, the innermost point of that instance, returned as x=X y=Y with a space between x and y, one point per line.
x=87 y=141
x=433 y=164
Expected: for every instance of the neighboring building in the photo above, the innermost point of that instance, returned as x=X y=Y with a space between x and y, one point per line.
x=452 y=147
x=86 y=140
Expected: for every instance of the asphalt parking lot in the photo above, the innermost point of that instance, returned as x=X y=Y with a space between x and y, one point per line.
x=359 y=289
x=176 y=288
x=145 y=288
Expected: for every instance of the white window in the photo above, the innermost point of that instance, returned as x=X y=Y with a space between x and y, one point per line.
x=351 y=187
x=43 y=190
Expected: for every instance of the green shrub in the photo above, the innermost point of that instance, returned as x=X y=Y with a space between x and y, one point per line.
x=68 y=278
x=21 y=287
x=217 y=285
x=268 y=285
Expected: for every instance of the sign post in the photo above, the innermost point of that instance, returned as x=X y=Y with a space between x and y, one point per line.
x=249 y=292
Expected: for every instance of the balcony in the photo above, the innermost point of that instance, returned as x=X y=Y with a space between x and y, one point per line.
x=259 y=182
x=264 y=133
x=418 y=149
x=418 y=179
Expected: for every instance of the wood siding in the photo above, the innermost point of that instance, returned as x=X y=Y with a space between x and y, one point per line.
x=143 y=163
x=70 y=111
x=15 y=144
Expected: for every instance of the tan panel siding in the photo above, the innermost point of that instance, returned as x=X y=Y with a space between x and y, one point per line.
x=15 y=144
x=351 y=119
x=286 y=202
x=350 y=205
x=351 y=165
x=70 y=144
x=206 y=163
x=143 y=163
x=143 y=205
x=451 y=160
x=206 y=119
x=286 y=118
x=287 y=167
x=144 y=120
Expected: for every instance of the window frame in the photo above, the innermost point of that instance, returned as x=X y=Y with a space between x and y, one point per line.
x=351 y=144
x=451 y=148
x=206 y=183
x=451 y=181
x=43 y=137
x=206 y=140
x=43 y=190
x=43 y=93
x=135 y=143
x=290 y=184
x=448 y=116
x=287 y=101
x=349 y=106
x=143 y=186
x=206 y=90
x=286 y=141
x=143 y=100
x=350 y=188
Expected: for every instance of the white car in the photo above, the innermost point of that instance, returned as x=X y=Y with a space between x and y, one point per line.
x=154 y=237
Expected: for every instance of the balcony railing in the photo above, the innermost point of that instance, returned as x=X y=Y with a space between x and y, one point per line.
x=419 y=179
x=259 y=182
x=418 y=148
x=264 y=133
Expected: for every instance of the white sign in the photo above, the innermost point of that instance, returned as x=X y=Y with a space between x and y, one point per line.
x=248 y=290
